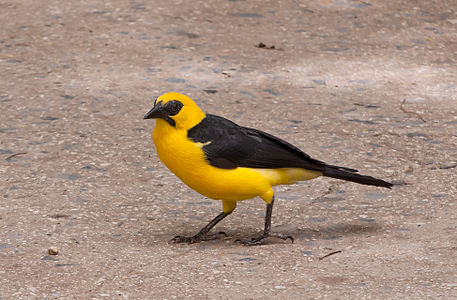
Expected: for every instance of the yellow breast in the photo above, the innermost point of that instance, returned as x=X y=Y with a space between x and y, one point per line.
x=186 y=160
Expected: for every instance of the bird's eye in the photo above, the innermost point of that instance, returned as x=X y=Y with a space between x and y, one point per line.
x=173 y=107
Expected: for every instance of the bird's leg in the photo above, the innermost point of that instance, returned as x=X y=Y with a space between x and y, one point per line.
x=267 y=231
x=202 y=235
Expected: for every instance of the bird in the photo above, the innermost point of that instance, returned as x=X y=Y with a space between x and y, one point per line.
x=225 y=161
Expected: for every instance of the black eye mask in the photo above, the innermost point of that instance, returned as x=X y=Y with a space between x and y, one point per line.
x=173 y=107
x=165 y=112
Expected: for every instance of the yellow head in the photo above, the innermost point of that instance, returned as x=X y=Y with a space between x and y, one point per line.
x=175 y=110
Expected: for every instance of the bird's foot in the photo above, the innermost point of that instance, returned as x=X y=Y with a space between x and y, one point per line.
x=199 y=237
x=259 y=240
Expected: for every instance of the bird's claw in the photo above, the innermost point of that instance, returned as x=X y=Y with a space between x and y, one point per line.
x=259 y=240
x=199 y=237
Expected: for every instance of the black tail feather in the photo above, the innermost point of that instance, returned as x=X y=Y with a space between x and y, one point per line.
x=344 y=174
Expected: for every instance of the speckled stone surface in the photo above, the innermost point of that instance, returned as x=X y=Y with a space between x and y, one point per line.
x=365 y=84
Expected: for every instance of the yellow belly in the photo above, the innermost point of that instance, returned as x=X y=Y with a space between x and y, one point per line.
x=186 y=160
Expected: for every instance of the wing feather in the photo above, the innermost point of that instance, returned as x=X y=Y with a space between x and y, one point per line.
x=235 y=146
x=227 y=145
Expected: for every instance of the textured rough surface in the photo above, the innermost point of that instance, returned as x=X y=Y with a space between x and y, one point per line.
x=365 y=84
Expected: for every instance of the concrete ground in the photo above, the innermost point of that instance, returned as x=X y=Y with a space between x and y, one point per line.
x=370 y=85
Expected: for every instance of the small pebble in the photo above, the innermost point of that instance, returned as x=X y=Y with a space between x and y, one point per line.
x=53 y=251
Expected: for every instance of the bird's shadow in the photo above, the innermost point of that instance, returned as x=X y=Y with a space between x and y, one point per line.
x=319 y=232
x=336 y=231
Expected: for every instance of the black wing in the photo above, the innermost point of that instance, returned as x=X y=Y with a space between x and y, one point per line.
x=231 y=146
x=228 y=146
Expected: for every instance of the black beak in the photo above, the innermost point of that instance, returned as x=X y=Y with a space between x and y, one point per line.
x=156 y=112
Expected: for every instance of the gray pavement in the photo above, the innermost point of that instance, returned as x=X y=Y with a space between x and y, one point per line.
x=370 y=85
